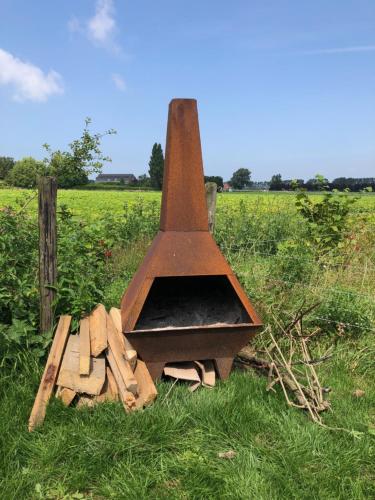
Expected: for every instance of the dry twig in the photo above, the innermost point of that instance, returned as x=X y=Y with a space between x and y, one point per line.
x=290 y=364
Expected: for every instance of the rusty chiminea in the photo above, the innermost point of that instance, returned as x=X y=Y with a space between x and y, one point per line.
x=185 y=303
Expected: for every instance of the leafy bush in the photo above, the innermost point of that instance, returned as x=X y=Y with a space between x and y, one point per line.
x=83 y=258
x=18 y=284
x=6 y=165
x=25 y=173
x=21 y=336
x=71 y=168
x=19 y=260
x=140 y=219
x=326 y=218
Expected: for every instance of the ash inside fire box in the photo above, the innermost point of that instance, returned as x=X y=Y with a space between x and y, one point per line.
x=191 y=301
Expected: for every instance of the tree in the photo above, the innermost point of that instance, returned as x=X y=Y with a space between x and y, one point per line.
x=144 y=181
x=319 y=183
x=354 y=184
x=276 y=183
x=6 y=165
x=156 y=165
x=241 y=178
x=215 y=178
x=72 y=168
x=25 y=173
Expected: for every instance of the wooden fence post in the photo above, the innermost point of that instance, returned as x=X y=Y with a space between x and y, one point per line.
x=47 y=249
x=211 y=193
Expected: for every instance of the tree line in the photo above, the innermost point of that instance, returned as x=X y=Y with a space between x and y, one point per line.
x=320 y=182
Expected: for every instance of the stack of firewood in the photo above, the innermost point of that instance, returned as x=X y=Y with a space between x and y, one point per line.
x=95 y=365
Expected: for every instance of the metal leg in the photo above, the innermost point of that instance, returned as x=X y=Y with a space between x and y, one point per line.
x=155 y=369
x=223 y=367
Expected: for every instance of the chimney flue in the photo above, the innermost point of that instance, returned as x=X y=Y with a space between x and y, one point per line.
x=183 y=205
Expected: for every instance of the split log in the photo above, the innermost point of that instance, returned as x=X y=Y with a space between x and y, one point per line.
x=127 y=398
x=146 y=387
x=84 y=346
x=66 y=395
x=50 y=373
x=118 y=350
x=130 y=352
x=85 y=400
x=69 y=373
x=98 y=330
x=112 y=386
x=107 y=394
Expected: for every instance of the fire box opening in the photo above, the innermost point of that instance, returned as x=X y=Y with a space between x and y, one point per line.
x=191 y=301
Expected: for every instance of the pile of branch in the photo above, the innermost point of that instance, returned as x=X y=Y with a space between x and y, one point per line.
x=289 y=363
x=97 y=364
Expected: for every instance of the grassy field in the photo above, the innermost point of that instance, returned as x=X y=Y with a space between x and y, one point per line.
x=94 y=204
x=171 y=449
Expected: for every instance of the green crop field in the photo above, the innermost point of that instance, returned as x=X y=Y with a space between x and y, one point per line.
x=89 y=204
x=286 y=259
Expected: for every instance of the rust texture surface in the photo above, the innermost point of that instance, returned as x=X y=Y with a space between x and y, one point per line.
x=183 y=206
x=184 y=247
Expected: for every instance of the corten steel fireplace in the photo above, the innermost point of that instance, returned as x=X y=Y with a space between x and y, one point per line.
x=185 y=303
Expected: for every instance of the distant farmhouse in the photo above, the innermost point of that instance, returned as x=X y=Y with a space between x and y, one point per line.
x=124 y=178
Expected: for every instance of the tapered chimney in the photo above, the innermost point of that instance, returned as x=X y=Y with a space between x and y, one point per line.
x=183 y=206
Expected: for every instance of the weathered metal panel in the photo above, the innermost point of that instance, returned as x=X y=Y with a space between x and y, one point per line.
x=183 y=205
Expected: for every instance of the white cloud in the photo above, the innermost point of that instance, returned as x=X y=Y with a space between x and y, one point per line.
x=101 y=28
x=28 y=81
x=119 y=82
x=102 y=25
x=343 y=50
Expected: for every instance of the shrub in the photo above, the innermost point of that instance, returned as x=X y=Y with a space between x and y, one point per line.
x=25 y=173
x=326 y=218
x=83 y=259
x=6 y=165
x=72 y=168
x=140 y=219
x=19 y=260
x=18 y=284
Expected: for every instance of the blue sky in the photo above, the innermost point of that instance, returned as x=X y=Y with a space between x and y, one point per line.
x=282 y=86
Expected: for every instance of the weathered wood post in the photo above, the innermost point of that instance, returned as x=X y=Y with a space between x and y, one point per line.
x=47 y=249
x=211 y=193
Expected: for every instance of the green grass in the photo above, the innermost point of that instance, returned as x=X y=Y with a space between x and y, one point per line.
x=171 y=449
